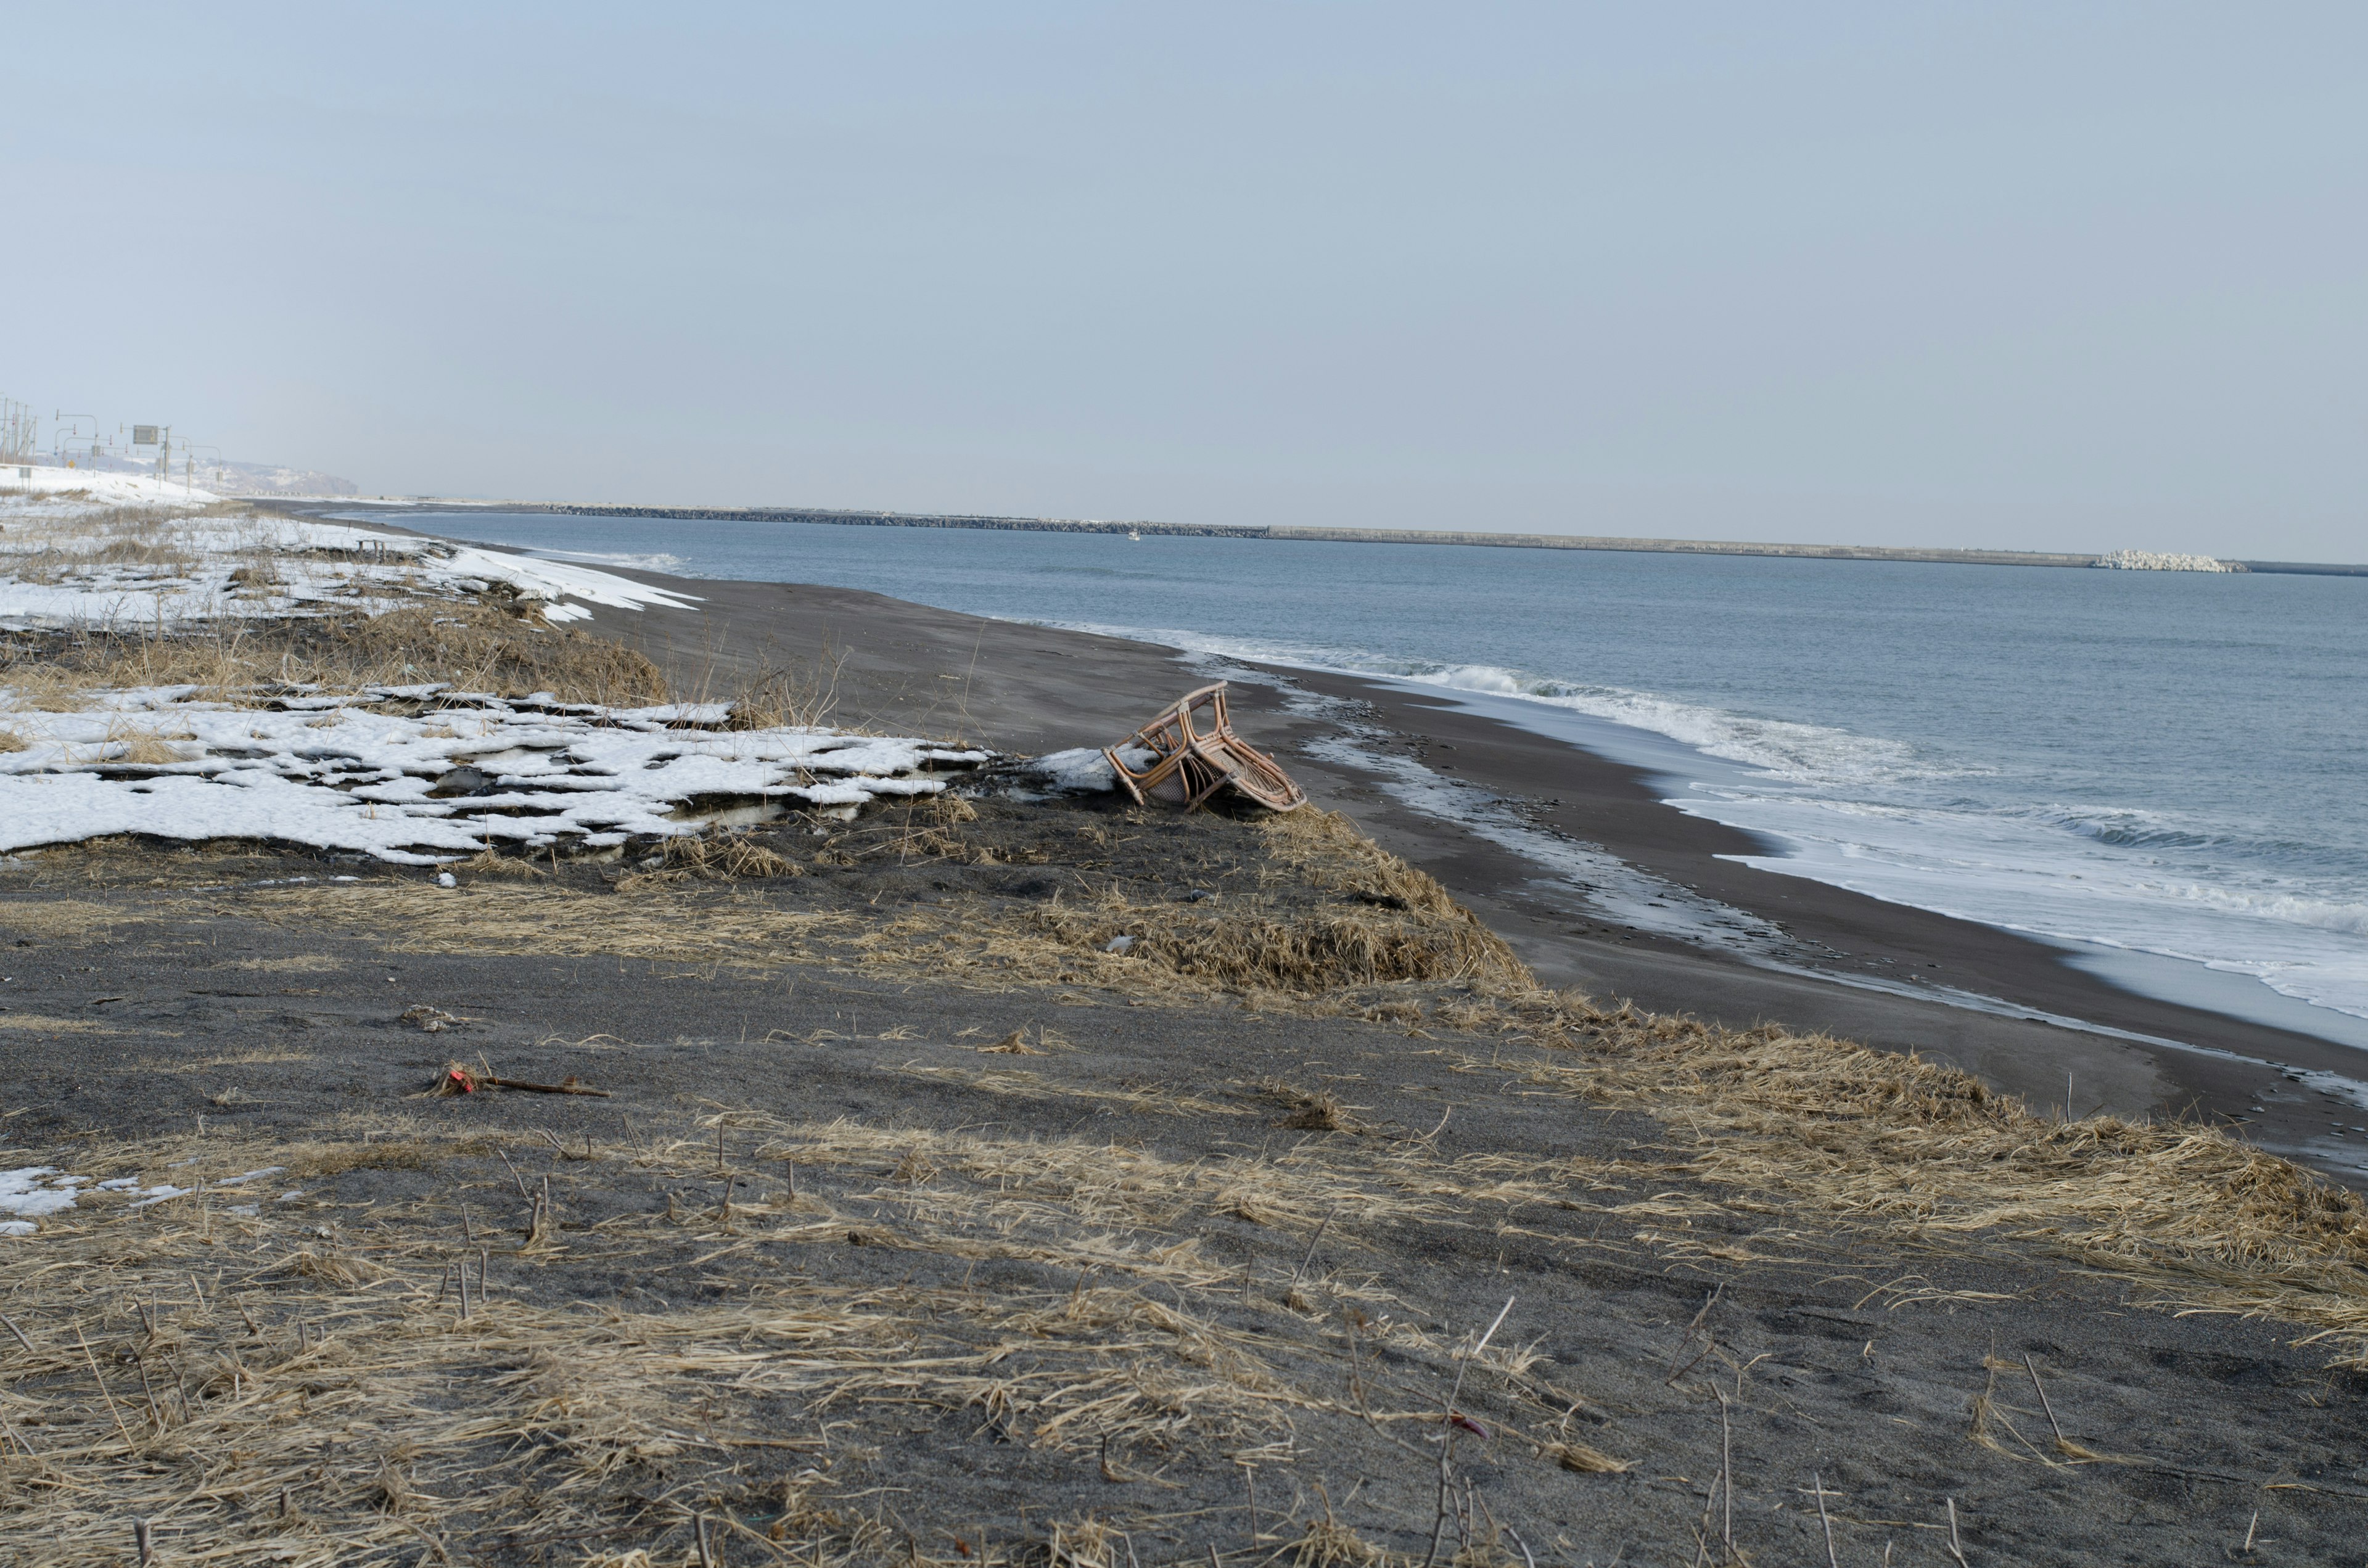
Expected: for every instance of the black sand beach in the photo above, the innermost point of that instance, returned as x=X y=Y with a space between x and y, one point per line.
x=1030 y=689
x=1005 y=1181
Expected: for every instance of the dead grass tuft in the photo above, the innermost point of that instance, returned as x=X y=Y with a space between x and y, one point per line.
x=1578 y=1457
x=1300 y=952
x=1318 y=1110
x=1401 y=923
x=729 y=857
x=141 y=748
x=490 y=862
x=1327 y=1543
x=800 y=695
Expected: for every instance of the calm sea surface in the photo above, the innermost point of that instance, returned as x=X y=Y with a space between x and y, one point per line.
x=2167 y=772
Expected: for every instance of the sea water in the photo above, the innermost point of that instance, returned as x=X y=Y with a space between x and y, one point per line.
x=2161 y=771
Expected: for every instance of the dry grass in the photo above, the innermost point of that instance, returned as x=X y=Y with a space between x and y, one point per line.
x=471 y=647
x=1901 y=1145
x=1290 y=952
x=262 y=1387
x=142 y=746
x=132 y=538
x=798 y=695
x=1578 y=1457
x=69 y=919
x=726 y=857
x=40 y=1023
x=1862 y=1137
x=490 y=862
x=408 y=916
x=1826 y=1130
x=1400 y=924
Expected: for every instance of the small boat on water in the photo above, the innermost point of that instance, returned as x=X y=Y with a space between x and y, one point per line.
x=1135 y=535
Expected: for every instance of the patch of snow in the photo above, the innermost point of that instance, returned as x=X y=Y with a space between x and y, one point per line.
x=1085 y=770
x=414 y=788
x=250 y=1176
x=35 y=1192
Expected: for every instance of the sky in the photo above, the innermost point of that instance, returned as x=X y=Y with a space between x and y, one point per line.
x=2041 y=276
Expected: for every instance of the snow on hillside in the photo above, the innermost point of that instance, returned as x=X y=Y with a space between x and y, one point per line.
x=60 y=492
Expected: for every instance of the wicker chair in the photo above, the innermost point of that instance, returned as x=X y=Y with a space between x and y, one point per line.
x=1195 y=753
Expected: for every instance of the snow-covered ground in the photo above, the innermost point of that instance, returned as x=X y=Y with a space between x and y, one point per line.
x=128 y=551
x=421 y=774
x=412 y=774
x=43 y=491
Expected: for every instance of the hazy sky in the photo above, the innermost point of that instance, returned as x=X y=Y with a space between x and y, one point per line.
x=2049 y=274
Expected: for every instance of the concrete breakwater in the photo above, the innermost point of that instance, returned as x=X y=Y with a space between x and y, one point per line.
x=1400 y=536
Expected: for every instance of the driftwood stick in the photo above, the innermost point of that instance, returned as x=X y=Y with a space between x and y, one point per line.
x=1726 y=1477
x=2028 y=1366
x=121 y=1430
x=1312 y=1243
x=1447 y=1438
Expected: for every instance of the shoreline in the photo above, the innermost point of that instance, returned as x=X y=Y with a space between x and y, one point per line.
x=1029 y=688
x=1473 y=538
x=1055 y=1163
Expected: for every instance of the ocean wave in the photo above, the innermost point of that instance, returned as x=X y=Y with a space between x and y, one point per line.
x=657 y=560
x=1792 y=751
x=1881 y=817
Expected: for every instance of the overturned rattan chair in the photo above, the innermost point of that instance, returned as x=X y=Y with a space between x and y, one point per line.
x=1194 y=753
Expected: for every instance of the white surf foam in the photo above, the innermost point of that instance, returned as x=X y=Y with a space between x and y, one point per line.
x=1877 y=816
